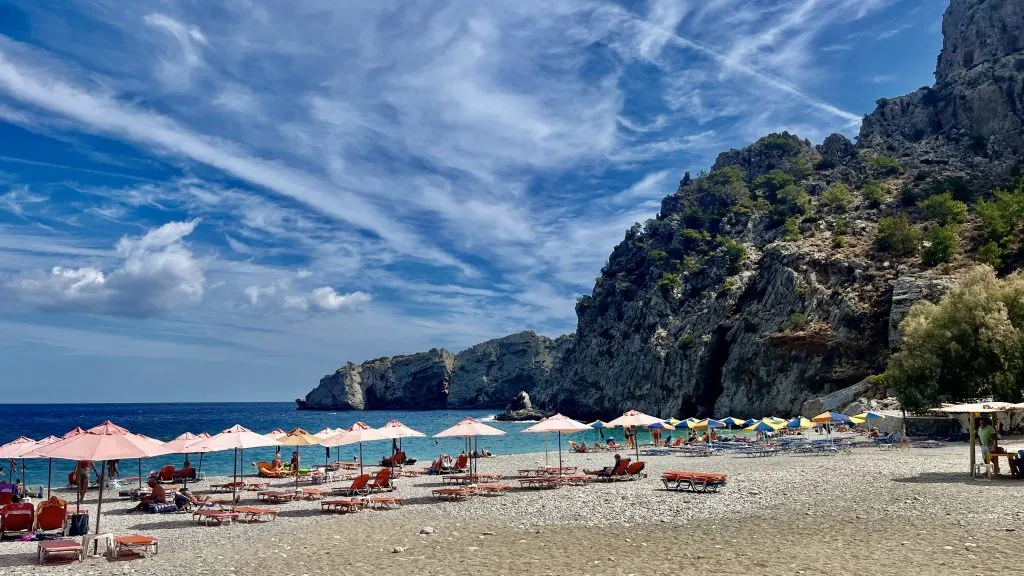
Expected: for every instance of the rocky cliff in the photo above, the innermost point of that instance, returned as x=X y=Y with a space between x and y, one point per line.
x=487 y=375
x=781 y=274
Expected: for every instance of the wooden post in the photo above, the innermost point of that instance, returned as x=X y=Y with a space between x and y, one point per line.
x=970 y=425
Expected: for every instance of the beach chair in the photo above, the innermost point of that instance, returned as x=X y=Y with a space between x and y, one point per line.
x=16 y=517
x=634 y=471
x=617 y=472
x=382 y=482
x=166 y=475
x=359 y=486
x=613 y=445
x=48 y=548
x=462 y=464
x=188 y=473
x=576 y=447
x=6 y=497
x=52 y=515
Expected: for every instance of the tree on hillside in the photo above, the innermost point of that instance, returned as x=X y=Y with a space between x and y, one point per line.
x=969 y=345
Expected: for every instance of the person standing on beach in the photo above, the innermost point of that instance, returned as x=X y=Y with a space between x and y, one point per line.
x=112 y=470
x=988 y=437
x=295 y=461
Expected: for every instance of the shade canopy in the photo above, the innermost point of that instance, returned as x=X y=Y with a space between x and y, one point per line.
x=237 y=436
x=328 y=432
x=17 y=447
x=832 y=418
x=275 y=434
x=663 y=425
x=181 y=444
x=764 y=426
x=634 y=418
x=357 y=433
x=598 y=424
x=558 y=423
x=73 y=432
x=749 y=422
x=799 y=422
x=395 y=429
x=468 y=428
x=730 y=421
x=299 y=437
x=108 y=441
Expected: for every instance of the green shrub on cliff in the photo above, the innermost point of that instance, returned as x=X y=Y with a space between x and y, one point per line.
x=969 y=345
x=884 y=166
x=943 y=209
x=837 y=197
x=943 y=243
x=897 y=235
x=874 y=194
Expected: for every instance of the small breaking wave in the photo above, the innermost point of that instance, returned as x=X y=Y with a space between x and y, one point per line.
x=488 y=418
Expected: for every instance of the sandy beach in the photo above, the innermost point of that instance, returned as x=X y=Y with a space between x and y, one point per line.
x=868 y=511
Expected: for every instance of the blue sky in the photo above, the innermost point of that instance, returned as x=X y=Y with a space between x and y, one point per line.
x=228 y=200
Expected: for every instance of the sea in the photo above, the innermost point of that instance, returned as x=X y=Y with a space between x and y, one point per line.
x=167 y=421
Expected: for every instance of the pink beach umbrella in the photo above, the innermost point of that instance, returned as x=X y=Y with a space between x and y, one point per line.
x=189 y=443
x=637 y=419
x=357 y=434
x=34 y=453
x=15 y=449
x=559 y=424
x=470 y=428
x=108 y=441
x=397 y=431
x=236 y=438
x=73 y=432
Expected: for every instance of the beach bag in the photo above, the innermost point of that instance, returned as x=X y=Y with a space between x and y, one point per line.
x=79 y=524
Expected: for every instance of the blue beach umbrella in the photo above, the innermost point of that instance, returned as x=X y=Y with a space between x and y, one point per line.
x=749 y=422
x=662 y=426
x=799 y=422
x=597 y=424
x=730 y=421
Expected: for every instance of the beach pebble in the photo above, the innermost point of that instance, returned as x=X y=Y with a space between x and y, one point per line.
x=427 y=530
x=487 y=533
x=398 y=549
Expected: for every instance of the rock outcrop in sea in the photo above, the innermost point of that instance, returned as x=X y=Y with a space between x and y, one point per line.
x=484 y=376
x=766 y=282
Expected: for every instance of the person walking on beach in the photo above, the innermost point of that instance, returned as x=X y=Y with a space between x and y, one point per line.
x=82 y=468
x=112 y=470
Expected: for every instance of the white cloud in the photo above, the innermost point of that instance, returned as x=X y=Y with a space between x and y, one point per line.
x=157 y=273
x=325 y=299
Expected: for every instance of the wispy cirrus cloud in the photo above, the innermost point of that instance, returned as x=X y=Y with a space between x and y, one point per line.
x=470 y=165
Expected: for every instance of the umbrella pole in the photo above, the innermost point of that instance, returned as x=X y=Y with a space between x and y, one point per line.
x=99 y=505
x=49 y=475
x=234 y=482
x=140 y=473
x=545 y=448
x=200 y=471
x=559 y=453
x=360 y=458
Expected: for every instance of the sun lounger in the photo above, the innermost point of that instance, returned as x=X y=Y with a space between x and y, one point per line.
x=313 y=493
x=359 y=486
x=342 y=506
x=540 y=483
x=381 y=482
x=461 y=464
x=384 y=502
x=693 y=481
x=16 y=517
x=275 y=496
x=253 y=514
x=635 y=471
x=759 y=452
x=491 y=489
x=134 y=545
x=576 y=479
x=48 y=548
x=166 y=474
x=452 y=493
x=52 y=515
x=208 y=517
x=227 y=487
x=617 y=473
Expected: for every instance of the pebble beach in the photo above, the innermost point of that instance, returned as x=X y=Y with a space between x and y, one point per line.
x=865 y=511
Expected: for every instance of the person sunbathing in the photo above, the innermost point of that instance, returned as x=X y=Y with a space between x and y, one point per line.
x=185 y=498
x=582 y=447
x=606 y=471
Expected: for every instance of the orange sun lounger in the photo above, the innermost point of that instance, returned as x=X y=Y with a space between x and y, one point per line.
x=342 y=506
x=453 y=494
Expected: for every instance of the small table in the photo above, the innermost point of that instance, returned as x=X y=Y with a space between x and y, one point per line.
x=49 y=548
x=135 y=544
x=214 y=517
x=993 y=459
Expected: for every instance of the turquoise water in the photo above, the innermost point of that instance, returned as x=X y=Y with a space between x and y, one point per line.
x=166 y=421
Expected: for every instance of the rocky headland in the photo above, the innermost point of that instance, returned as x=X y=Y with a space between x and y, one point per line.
x=774 y=279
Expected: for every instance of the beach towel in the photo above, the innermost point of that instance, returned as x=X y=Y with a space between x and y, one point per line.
x=163 y=508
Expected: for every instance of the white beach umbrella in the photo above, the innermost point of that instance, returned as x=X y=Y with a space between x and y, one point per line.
x=634 y=418
x=470 y=428
x=559 y=424
x=357 y=434
x=237 y=438
x=398 y=431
